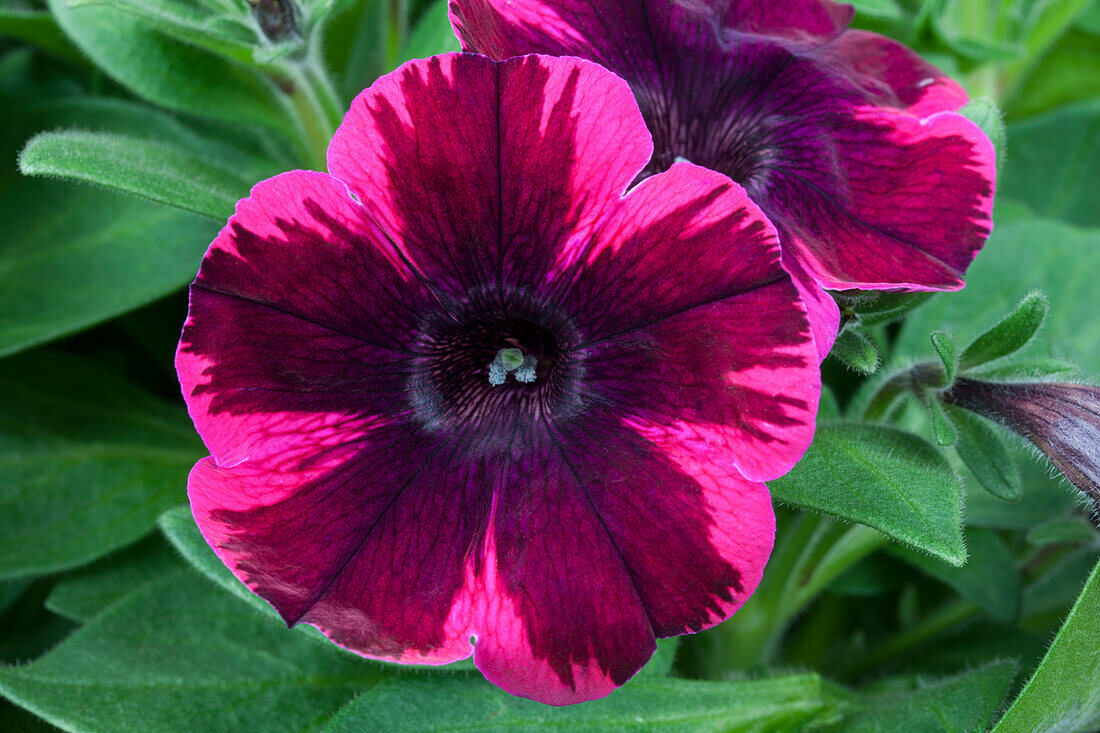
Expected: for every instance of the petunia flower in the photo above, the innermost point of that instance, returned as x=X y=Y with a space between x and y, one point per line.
x=847 y=140
x=1061 y=419
x=374 y=474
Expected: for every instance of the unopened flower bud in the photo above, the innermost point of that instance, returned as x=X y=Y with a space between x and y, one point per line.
x=1062 y=420
x=278 y=19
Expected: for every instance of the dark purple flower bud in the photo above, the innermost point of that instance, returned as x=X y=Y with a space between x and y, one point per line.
x=278 y=19
x=1060 y=418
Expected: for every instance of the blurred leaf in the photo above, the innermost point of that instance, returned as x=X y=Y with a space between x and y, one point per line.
x=90 y=462
x=183 y=656
x=988 y=579
x=878 y=8
x=162 y=173
x=1069 y=73
x=1056 y=587
x=90 y=590
x=963 y=703
x=1051 y=166
x=884 y=478
x=984 y=450
x=35 y=25
x=1064 y=693
x=432 y=35
x=169 y=72
x=782 y=703
x=1059 y=259
x=1069 y=529
x=10 y=590
x=1010 y=334
x=1045 y=23
x=968 y=28
x=875 y=574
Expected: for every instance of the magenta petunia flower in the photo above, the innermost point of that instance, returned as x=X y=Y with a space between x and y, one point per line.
x=465 y=394
x=847 y=140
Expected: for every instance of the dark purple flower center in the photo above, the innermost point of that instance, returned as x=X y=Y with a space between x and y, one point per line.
x=450 y=388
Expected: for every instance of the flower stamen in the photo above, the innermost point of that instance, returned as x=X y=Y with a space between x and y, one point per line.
x=512 y=360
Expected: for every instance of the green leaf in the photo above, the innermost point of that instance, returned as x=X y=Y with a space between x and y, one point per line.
x=984 y=113
x=90 y=462
x=1068 y=529
x=183 y=656
x=943 y=428
x=1010 y=334
x=432 y=35
x=457 y=703
x=884 y=478
x=1059 y=259
x=880 y=308
x=878 y=8
x=1068 y=74
x=856 y=351
x=1034 y=369
x=1049 y=596
x=90 y=590
x=948 y=352
x=966 y=702
x=73 y=255
x=1064 y=692
x=28 y=23
x=989 y=578
x=159 y=172
x=983 y=449
x=1050 y=166
x=169 y=72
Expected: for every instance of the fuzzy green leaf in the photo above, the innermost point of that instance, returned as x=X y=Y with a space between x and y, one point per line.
x=90 y=462
x=90 y=590
x=1064 y=693
x=984 y=450
x=183 y=656
x=884 y=478
x=856 y=351
x=170 y=72
x=438 y=704
x=948 y=352
x=965 y=702
x=943 y=428
x=1010 y=334
x=1068 y=529
x=162 y=173
x=984 y=113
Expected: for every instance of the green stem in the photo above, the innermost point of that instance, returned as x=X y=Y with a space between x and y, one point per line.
x=317 y=108
x=946 y=617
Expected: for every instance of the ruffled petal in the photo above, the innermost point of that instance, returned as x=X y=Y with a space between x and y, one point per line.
x=679 y=240
x=497 y=189
x=561 y=621
x=738 y=377
x=797 y=20
x=909 y=209
x=371 y=538
x=822 y=311
x=893 y=75
x=301 y=321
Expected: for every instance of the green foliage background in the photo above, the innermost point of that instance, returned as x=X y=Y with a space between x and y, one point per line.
x=930 y=572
